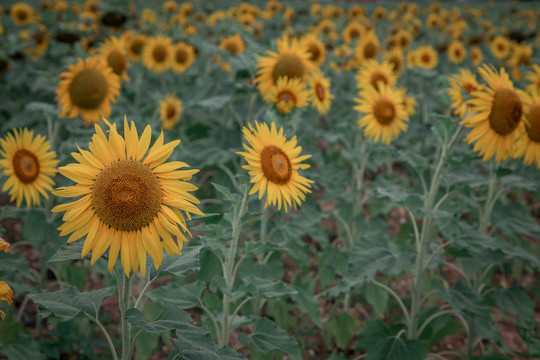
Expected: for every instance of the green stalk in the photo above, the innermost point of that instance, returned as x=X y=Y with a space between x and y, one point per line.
x=124 y=292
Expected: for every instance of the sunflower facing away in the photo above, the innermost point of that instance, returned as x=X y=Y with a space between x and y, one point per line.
x=499 y=111
x=28 y=165
x=170 y=112
x=384 y=113
x=87 y=88
x=465 y=80
x=158 y=54
x=528 y=145
x=319 y=92
x=128 y=201
x=288 y=94
x=273 y=163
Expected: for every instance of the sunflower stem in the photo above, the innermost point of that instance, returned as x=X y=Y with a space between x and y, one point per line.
x=125 y=291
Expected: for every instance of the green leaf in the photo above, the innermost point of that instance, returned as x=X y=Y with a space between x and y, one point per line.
x=41 y=106
x=178 y=265
x=14 y=262
x=22 y=351
x=341 y=329
x=214 y=103
x=442 y=127
x=67 y=303
x=393 y=348
x=67 y=252
x=267 y=288
x=170 y=318
x=268 y=337
x=372 y=332
x=234 y=199
x=184 y=296
x=377 y=297
x=516 y=301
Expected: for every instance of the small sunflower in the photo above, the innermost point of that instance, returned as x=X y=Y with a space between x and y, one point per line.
x=183 y=57
x=384 y=114
x=288 y=94
x=113 y=52
x=520 y=55
x=500 y=47
x=134 y=46
x=528 y=145
x=233 y=44
x=4 y=246
x=128 y=201
x=319 y=92
x=367 y=47
x=158 y=54
x=379 y=13
x=395 y=57
x=290 y=61
x=402 y=39
x=87 y=88
x=273 y=163
x=409 y=103
x=426 y=57
x=465 y=80
x=534 y=79
x=374 y=73
x=170 y=112
x=353 y=31
x=28 y=164
x=21 y=13
x=315 y=49
x=476 y=56
x=456 y=52
x=6 y=294
x=499 y=111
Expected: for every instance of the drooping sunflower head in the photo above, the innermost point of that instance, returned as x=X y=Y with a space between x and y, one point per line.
x=466 y=82
x=315 y=48
x=456 y=52
x=6 y=294
x=158 y=54
x=131 y=199
x=319 y=92
x=367 y=48
x=87 y=89
x=233 y=44
x=499 y=110
x=21 y=13
x=29 y=165
x=528 y=145
x=183 y=57
x=113 y=53
x=288 y=94
x=291 y=61
x=273 y=163
x=170 y=112
x=426 y=57
x=374 y=73
x=384 y=113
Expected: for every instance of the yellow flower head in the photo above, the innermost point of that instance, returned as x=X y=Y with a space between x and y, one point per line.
x=6 y=294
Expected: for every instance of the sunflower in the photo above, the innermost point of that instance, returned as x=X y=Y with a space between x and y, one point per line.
x=384 y=114
x=533 y=77
x=273 y=163
x=170 y=111
x=465 y=80
x=128 y=201
x=87 y=88
x=520 y=55
x=499 y=111
x=113 y=53
x=426 y=57
x=319 y=92
x=28 y=164
x=409 y=103
x=290 y=61
x=4 y=246
x=315 y=49
x=456 y=52
x=288 y=94
x=528 y=145
x=402 y=39
x=158 y=54
x=396 y=59
x=476 y=55
x=353 y=31
x=367 y=47
x=356 y=12
x=432 y=20
x=6 y=294
x=183 y=57
x=374 y=73
x=500 y=47
x=379 y=13
x=21 y=13
x=233 y=44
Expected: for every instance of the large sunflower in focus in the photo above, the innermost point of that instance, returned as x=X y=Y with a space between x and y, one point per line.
x=528 y=145
x=158 y=54
x=499 y=111
x=113 y=52
x=28 y=165
x=87 y=88
x=465 y=80
x=290 y=61
x=384 y=113
x=273 y=163
x=128 y=203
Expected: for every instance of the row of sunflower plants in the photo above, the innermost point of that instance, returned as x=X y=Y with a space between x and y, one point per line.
x=335 y=209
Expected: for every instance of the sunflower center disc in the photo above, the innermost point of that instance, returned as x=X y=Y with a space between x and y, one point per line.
x=232 y=48
x=171 y=111
x=127 y=195
x=159 y=53
x=354 y=34
x=137 y=46
x=117 y=61
x=88 y=89
x=319 y=90
x=314 y=52
x=289 y=66
x=396 y=64
x=376 y=78
x=181 y=56
x=533 y=127
x=469 y=88
x=21 y=15
x=506 y=111
x=426 y=58
x=370 y=50
x=276 y=165
x=286 y=96
x=26 y=166
x=384 y=111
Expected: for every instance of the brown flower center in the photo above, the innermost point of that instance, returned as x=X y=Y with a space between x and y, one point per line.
x=376 y=78
x=370 y=50
x=426 y=58
x=26 y=166
x=88 y=89
x=159 y=53
x=22 y=14
x=290 y=66
x=469 y=88
x=181 y=56
x=171 y=111
x=384 y=111
x=533 y=125
x=276 y=165
x=505 y=112
x=314 y=52
x=319 y=90
x=117 y=61
x=396 y=64
x=286 y=96
x=137 y=46
x=232 y=47
x=127 y=195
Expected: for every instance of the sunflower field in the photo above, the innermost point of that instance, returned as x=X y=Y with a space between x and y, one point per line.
x=207 y=180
